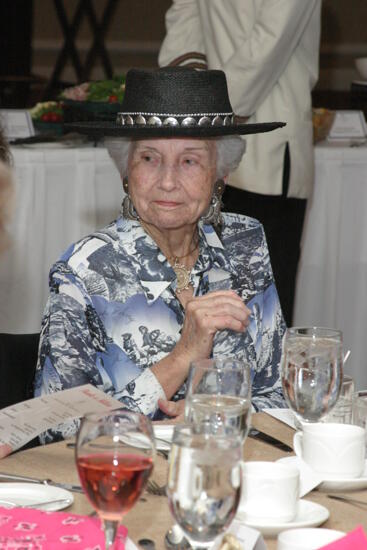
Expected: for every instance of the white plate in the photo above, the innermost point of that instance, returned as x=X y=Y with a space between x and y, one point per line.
x=31 y=493
x=337 y=485
x=163 y=434
x=309 y=514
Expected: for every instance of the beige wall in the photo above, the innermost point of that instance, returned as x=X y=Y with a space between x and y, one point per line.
x=344 y=37
x=137 y=30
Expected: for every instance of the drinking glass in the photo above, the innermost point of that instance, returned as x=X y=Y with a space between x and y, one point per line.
x=342 y=412
x=359 y=411
x=312 y=371
x=219 y=392
x=204 y=482
x=114 y=455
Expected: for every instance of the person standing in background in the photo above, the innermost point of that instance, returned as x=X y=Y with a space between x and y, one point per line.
x=269 y=50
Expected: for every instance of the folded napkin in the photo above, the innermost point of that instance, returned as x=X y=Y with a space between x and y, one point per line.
x=355 y=540
x=284 y=415
x=309 y=479
x=163 y=434
x=34 y=529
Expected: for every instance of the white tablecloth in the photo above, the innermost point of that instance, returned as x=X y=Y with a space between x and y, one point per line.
x=61 y=195
x=332 y=277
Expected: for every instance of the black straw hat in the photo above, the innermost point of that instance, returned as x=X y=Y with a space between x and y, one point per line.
x=174 y=102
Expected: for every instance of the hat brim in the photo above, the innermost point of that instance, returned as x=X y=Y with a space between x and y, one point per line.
x=97 y=129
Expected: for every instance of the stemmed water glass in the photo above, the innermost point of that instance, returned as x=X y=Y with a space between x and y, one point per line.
x=204 y=482
x=115 y=452
x=312 y=371
x=219 y=393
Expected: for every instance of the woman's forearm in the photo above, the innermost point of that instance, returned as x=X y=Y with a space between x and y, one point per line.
x=171 y=371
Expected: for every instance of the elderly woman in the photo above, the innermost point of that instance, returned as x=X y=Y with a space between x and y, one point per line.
x=172 y=279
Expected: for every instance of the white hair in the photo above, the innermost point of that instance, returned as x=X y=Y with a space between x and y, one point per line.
x=230 y=150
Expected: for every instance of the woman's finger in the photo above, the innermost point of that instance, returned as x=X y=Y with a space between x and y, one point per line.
x=224 y=310
x=171 y=408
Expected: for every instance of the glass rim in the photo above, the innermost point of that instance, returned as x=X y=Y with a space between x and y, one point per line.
x=179 y=430
x=97 y=416
x=359 y=393
x=221 y=362
x=325 y=332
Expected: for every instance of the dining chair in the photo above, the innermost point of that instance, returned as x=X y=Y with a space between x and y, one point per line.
x=18 y=358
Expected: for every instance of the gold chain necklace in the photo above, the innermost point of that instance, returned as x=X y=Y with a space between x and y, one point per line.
x=183 y=273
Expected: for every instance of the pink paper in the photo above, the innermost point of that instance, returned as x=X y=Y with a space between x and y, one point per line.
x=26 y=529
x=355 y=540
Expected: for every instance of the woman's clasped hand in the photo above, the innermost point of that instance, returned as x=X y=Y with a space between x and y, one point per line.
x=205 y=315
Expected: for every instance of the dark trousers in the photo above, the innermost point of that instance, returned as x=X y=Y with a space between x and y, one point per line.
x=282 y=219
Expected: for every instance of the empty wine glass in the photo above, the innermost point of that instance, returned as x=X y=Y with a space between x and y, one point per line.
x=312 y=370
x=219 y=392
x=204 y=482
x=114 y=455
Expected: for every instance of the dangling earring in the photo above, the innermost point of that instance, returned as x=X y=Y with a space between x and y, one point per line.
x=127 y=207
x=213 y=215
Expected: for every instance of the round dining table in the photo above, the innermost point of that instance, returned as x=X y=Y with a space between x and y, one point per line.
x=150 y=518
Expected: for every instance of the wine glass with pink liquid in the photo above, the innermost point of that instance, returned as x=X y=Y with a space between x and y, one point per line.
x=114 y=455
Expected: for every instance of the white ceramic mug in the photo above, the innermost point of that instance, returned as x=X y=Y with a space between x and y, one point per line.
x=307 y=539
x=334 y=450
x=270 y=492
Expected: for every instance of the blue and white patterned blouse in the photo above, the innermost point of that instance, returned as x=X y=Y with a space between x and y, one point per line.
x=112 y=313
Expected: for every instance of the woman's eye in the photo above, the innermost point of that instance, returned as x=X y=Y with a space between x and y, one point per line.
x=190 y=162
x=147 y=158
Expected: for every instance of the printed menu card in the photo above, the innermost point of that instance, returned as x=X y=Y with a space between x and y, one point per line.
x=26 y=420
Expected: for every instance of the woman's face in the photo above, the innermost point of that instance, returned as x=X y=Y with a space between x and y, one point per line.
x=171 y=180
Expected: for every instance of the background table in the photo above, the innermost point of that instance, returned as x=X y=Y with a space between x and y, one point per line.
x=332 y=277
x=60 y=195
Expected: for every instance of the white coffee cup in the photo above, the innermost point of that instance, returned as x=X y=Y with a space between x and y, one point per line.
x=335 y=451
x=307 y=539
x=270 y=492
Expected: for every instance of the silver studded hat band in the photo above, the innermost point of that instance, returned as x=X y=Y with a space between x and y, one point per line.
x=174 y=102
x=173 y=119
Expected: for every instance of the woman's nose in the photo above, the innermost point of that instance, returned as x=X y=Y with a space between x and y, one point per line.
x=168 y=177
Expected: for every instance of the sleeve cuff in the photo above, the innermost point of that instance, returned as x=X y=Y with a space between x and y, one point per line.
x=147 y=391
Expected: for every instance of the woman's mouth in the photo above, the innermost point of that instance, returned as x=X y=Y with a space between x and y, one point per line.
x=167 y=204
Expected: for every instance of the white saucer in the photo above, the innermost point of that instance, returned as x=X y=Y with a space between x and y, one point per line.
x=31 y=493
x=309 y=514
x=163 y=434
x=337 y=485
